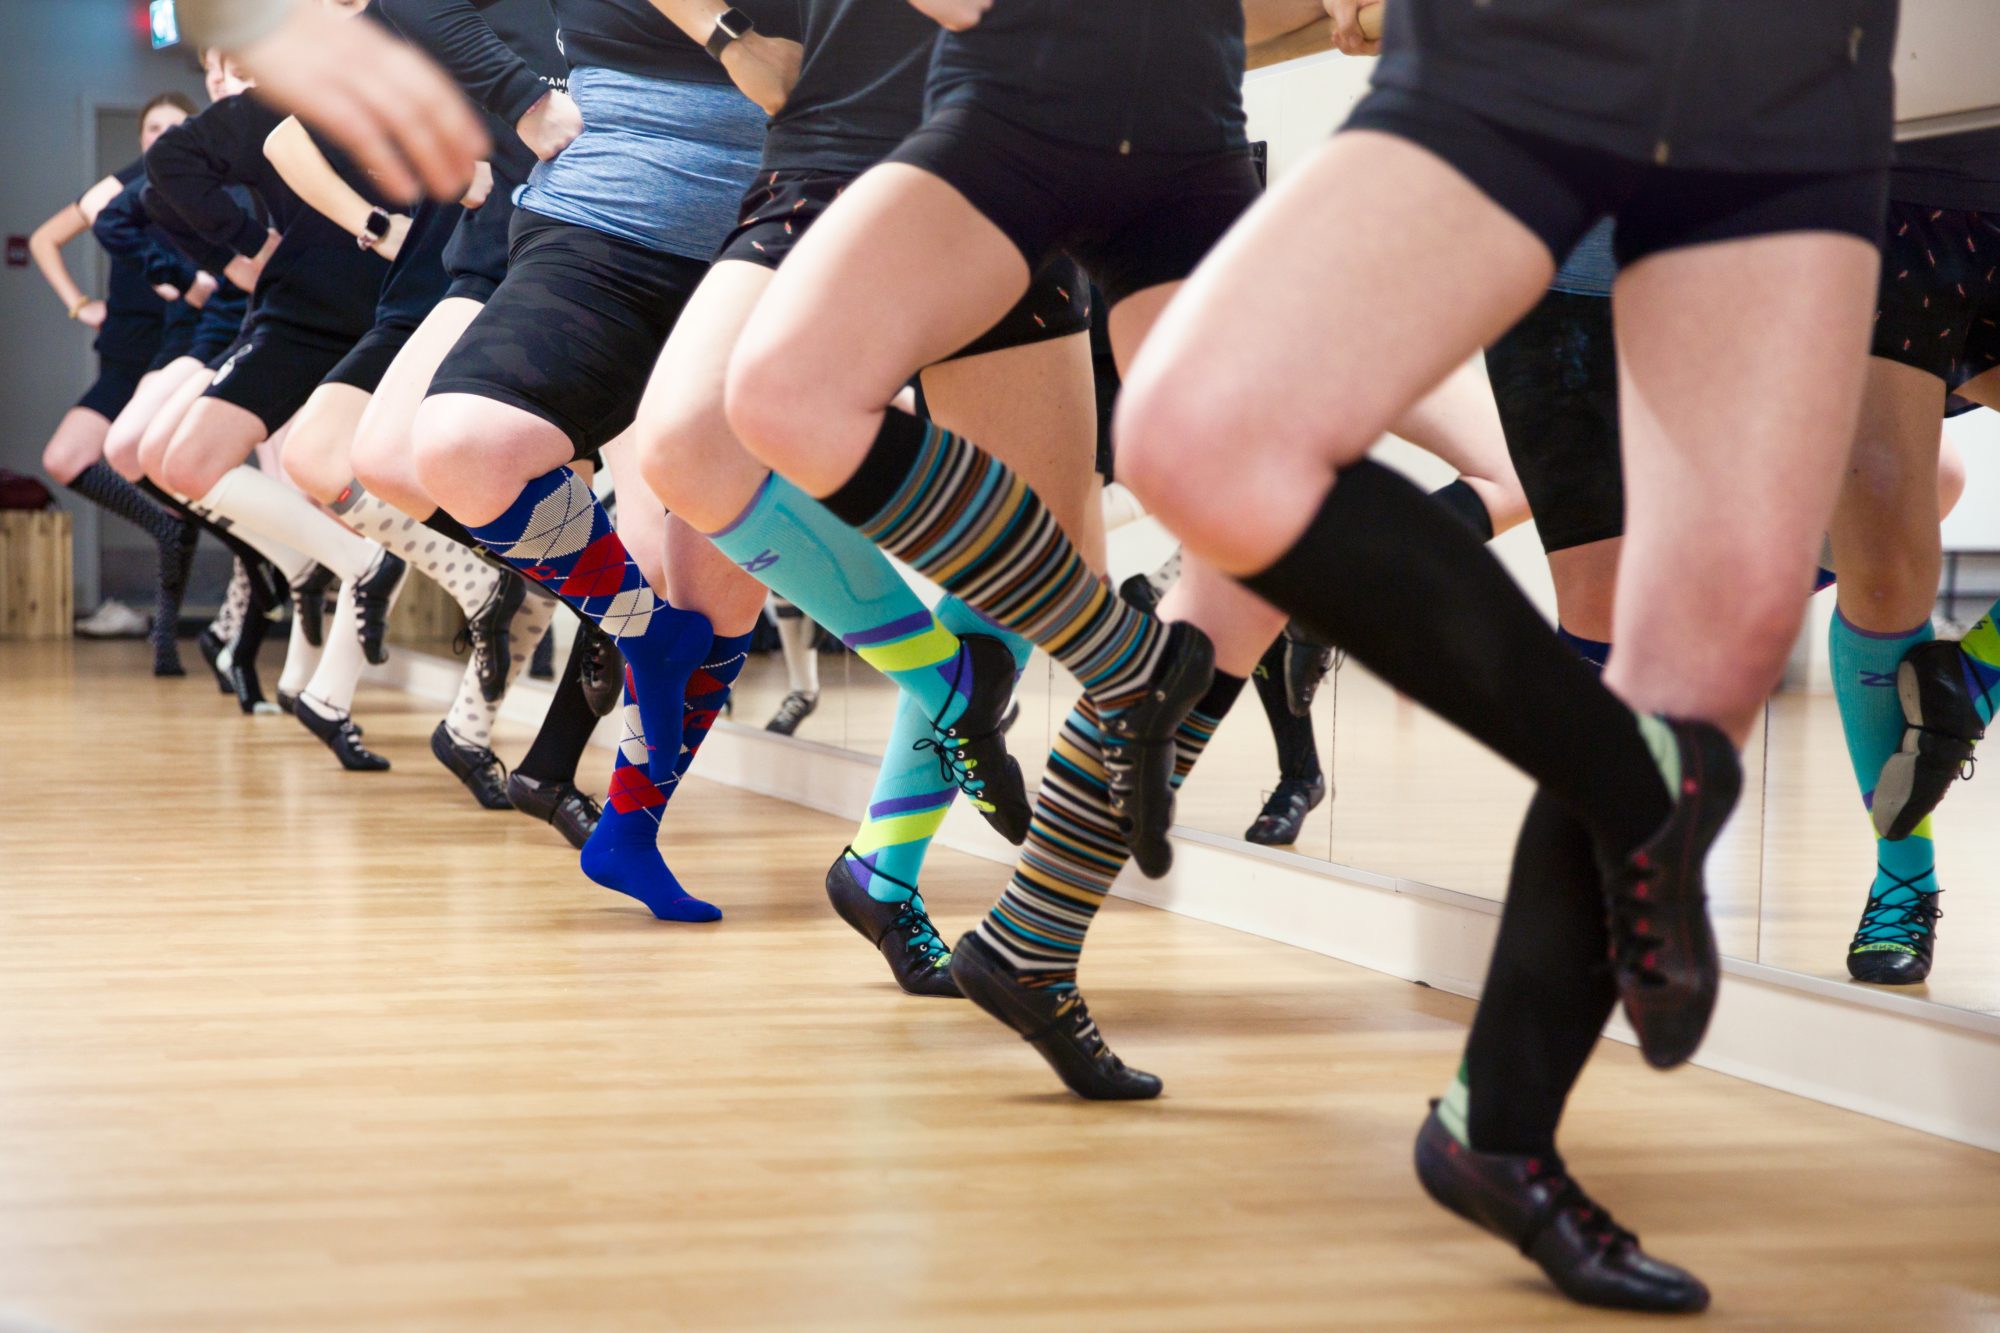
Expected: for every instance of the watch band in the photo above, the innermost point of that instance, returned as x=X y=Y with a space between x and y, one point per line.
x=729 y=25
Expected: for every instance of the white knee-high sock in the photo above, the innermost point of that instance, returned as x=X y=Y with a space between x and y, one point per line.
x=330 y=693
x=455 y=568
x=301 y=660
x=470 y=720
x=262 y=504
x=293 y=563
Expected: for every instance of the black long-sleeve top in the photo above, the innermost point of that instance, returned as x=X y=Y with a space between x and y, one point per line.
x=317 y=279
x=503 y=53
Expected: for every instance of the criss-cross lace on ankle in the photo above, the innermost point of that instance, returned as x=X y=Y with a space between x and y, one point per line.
x=948 y=746
x=1906 y=924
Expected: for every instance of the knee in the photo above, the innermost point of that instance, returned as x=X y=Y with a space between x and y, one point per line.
x=315 y=462
x=1173 y=442
x=1951 y=477
x=770 y=409
x=189 y=470
x=462 y=460
x=66 y=456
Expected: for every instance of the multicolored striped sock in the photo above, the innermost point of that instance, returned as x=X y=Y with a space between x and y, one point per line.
x=790 y=543
x=963 y=518
x=1074 y=851
x=912 y=796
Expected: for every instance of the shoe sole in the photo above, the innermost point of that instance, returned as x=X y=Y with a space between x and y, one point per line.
x=991 y=990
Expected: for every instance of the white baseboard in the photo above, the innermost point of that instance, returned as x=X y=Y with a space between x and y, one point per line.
x=1898 y=1059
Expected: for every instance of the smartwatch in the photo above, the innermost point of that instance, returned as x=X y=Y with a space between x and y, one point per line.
x=732 y=24
x=375 y=230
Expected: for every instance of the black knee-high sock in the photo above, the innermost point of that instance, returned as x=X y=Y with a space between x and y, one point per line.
x=566 y=728
x=172 y=529
x=1298 y=751
x=1548 y=991
x=1463 y=503
x=446 y=526
x=1386 y=573
x=101 y=484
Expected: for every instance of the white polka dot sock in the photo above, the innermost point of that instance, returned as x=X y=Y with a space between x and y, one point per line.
x=469 y=579
x=470 y=720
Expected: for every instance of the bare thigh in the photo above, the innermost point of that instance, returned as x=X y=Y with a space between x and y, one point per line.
x=1734 y=434
x=1035 y=409
x=318 y=454
x=898 y=274
x=212 y=438
x=691 y=457
x=77 y=443
x=121 y=446
x=475 y=455
x=383 y=455
x=166 y=422
x=1282 y=361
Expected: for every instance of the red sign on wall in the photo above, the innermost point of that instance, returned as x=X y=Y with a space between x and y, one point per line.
x=17 y=252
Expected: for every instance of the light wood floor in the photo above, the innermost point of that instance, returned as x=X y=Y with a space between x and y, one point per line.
x=284 y=1048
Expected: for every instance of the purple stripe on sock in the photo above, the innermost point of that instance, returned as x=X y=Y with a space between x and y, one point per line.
x=755 y=500
x=903 y=805
x=1854 y=629
x=914 y=623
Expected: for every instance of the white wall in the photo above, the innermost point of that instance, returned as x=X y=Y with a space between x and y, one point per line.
x=67 y=58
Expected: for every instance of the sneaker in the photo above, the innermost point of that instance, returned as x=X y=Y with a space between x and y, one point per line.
x=486 y=636
x=559 y=804
x=474 y=765
x=1308 y=662
x=1285 y=813
x=902 y=930
x=1663 y=952
x=342 y=736
x=1536 y=1206
x=1892 y=946
x=113 y=620
x=1052 y=1019
x=374 y=596
x=1139 y=748
x=797 y=707
x=1941 y=727
x=972 y=751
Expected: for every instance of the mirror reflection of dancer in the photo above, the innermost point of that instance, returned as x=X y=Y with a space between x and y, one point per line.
x=795 y=640
x=1748 y=176
x=131 y=323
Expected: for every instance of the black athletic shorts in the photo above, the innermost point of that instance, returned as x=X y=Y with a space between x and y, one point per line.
x=573 y=331
x=273 y=368
x=782 y=205
x=1133 y=220
x=114 y=386
x=1555 y=378
x=1939 y=308
x=176 y=335
x=1559 y=190
x=221 y=324
x=368 y=360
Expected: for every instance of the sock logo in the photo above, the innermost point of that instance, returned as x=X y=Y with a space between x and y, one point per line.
x=760 y=562
x=1879 y=680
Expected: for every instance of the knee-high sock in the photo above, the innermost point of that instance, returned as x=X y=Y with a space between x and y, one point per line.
x=471 y=718
x=961 y=517
x=1385 y=573
x=708 y=691
x=235 y=601
x=330 y=692
x=795 y=637
x=1463 y=503
x=558 y=534
x=457 y=569
x=623 y=854
x=1593 y=653
x=791 y=544
x=1298 y=748
x=1548 y=992
x=292 y=563
x=1863 y=666
x=912 y=794
x=1074 y=851
x=302 y=659
x=1981 y=655
x=566 y=728
x=267 y=507
x=171 y=530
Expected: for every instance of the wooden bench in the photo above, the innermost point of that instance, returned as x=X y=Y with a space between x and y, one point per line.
x=35 y=574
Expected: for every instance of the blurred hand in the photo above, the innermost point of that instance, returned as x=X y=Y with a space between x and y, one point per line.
x=1348 y=36
x=550 y=125
x=201 y=289
x=400 y=116
x=957 y=15
x=91 y=314
x=167 y=292
x=245 y=270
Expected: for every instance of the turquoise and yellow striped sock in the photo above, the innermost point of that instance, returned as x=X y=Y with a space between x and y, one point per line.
x=1864 y=666
x=1981 y=649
